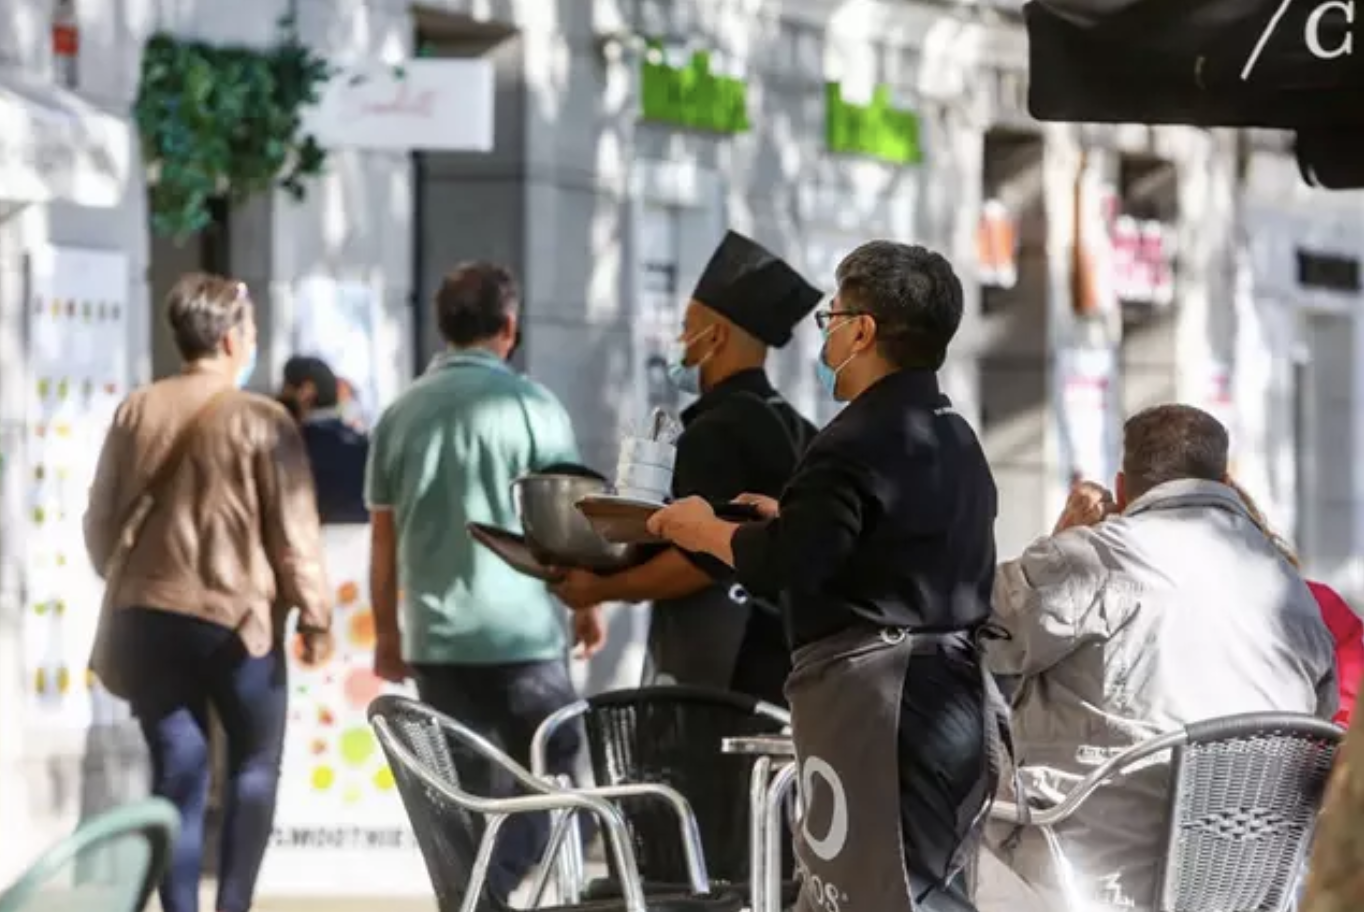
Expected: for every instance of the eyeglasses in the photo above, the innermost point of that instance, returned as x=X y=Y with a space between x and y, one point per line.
x=824 y=317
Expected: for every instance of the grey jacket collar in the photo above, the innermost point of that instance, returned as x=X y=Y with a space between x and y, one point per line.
x=1186 y=493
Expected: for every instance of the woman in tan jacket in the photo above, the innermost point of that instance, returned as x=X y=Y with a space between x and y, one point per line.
x=204 y=500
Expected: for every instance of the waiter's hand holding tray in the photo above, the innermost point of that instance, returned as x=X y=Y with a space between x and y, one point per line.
x=624 y=520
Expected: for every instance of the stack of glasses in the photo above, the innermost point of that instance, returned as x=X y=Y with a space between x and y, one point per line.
x=644 y=471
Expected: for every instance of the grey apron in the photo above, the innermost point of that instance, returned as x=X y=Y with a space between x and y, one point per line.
x=846 y=696
x=695 y=640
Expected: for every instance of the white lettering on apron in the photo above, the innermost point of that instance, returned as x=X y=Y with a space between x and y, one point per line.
x=831 y=845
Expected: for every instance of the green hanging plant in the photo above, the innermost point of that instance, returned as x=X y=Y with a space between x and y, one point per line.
x=225 y=122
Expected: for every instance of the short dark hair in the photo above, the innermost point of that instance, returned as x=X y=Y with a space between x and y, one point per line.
x=202 y=308
x=1171 y=442
x=475 y=301
x=302 y=369
x=913 y=294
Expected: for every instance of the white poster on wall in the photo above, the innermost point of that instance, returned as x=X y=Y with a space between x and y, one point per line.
x=77 y=332
x=336 y=321
x=1088 y=403
x=340 y=827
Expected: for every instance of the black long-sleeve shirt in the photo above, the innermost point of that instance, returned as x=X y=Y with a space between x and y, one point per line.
x=888 y=520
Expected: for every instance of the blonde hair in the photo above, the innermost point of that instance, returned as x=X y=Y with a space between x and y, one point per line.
x=1262 y=524
x=201 y=309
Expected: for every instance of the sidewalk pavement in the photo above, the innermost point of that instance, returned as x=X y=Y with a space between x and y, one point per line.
x=207 y=896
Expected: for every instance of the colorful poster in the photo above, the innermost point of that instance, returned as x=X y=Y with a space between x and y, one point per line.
x=1088 y=409
x=340 y=827
x=78 y=374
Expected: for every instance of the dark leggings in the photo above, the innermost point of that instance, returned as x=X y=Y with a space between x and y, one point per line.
x=179 y=666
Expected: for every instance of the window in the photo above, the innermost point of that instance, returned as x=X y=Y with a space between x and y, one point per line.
x=1329 y=272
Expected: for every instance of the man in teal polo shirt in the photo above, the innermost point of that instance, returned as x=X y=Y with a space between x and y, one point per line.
x=484 y=643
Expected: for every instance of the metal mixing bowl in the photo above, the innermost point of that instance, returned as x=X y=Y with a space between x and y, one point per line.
x=557 y=532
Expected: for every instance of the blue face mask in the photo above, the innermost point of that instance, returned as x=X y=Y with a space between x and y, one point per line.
x=249 y=368
x=685 y=377
x=828 y=376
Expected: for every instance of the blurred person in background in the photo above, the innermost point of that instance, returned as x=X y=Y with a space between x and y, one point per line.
x=1347 y=630
x=484 y=643
x=1160 y=605
x=203 y=517
x=739 y=436
x=337 y=450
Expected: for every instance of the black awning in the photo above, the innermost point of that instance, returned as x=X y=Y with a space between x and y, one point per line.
x=1266 y=63
x=1332 y=158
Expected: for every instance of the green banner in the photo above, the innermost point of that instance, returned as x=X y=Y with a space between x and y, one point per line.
x=692 y=96
x=878 y=130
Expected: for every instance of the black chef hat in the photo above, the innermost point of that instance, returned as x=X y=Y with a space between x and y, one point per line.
x=755 y=290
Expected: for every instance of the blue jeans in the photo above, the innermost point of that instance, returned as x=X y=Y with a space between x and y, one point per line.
x=179 y=666
x=506 y=704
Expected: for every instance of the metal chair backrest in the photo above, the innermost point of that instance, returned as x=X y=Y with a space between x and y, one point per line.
x=1244 y=802
x=671 y=735
x=111 y=863
x=426 y=758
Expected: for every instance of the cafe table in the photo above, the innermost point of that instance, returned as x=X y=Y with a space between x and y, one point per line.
x=774 y=773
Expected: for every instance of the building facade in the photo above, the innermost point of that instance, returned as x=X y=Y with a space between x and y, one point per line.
x=627 y=137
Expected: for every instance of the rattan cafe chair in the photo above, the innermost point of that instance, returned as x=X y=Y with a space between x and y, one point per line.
x=1245 y=791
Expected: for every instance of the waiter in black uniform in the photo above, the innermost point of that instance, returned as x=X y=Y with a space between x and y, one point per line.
x=882 y=549
x=739 y=436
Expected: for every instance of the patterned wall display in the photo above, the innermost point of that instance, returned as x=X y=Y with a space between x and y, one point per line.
x=77 y=335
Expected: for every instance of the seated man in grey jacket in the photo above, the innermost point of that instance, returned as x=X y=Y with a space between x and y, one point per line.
x=1162 y=606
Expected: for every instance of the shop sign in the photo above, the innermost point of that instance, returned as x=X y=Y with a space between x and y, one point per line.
x=428 y=104
x=877 y=129
x=691 y=95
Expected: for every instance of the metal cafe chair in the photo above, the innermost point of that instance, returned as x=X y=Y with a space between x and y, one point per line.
x=1245 y=791
x=456 y=831
x=669 y=735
